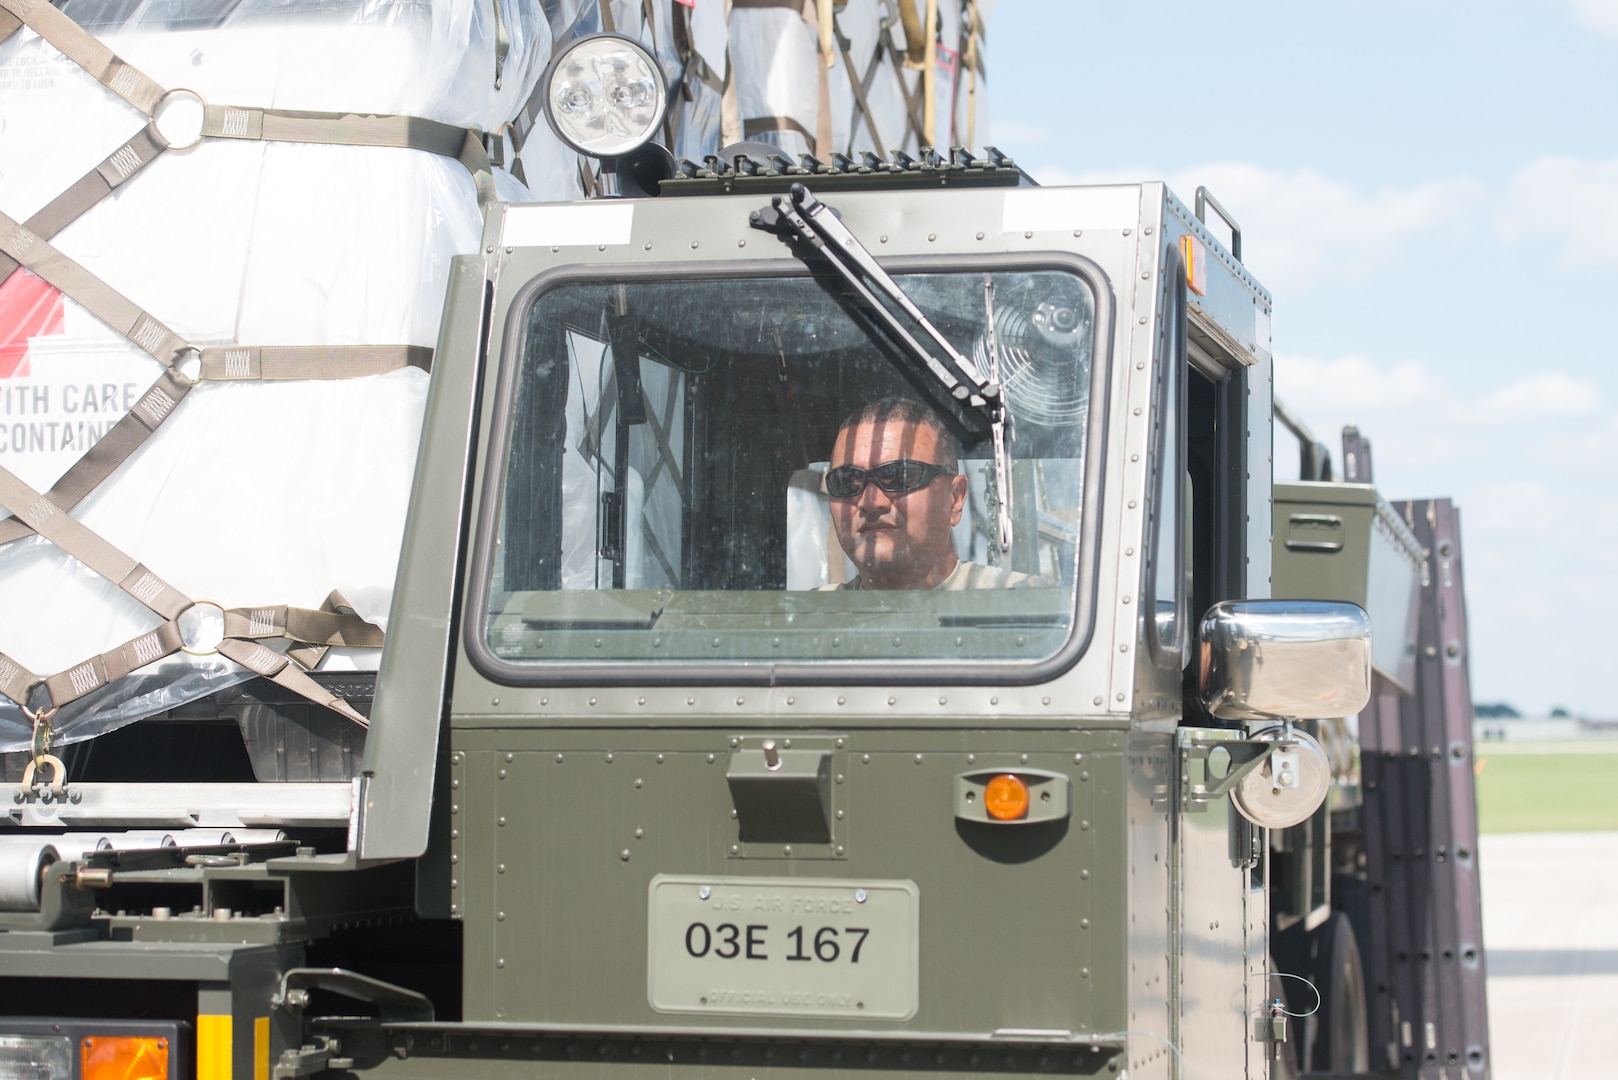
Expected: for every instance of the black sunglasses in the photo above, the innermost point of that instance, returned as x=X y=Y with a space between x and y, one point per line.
x=894 y=477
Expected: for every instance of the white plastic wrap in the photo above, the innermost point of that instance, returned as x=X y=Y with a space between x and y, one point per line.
x=775 y=64
x=861 y=23
x=251 y=493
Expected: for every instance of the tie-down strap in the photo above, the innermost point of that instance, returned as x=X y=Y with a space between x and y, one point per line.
x=346 y=129
x=112 y=307
x=81 y=47
x=16 y=681
x=134 y=155
x=23 y=245
x=308 y=628
x=78 y=540
x=232 y=122
x=214 y=363
x=242 y=627
x=303 y=624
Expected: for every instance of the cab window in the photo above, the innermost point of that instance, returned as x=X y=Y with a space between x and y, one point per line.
x=665 y=489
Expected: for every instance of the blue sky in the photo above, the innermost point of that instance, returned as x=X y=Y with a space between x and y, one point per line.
x=1429 y=188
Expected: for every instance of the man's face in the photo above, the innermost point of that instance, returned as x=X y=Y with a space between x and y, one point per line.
x=897 y=541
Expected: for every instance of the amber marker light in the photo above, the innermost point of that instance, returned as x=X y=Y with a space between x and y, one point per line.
x=123 y=1057
x=1006 y=798
x=1196 y=264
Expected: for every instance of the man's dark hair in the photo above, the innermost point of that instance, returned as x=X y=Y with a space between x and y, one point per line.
x=903 y=410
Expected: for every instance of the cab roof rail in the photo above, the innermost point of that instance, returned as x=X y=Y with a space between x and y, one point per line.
x=774 y=173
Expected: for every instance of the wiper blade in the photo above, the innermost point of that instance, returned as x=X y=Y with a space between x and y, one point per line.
x=975 y=400
x=997 y=431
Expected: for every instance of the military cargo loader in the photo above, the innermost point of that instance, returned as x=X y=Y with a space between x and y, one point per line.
x=651 y=778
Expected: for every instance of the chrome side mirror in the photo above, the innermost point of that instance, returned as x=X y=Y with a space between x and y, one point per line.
x=1285 y=660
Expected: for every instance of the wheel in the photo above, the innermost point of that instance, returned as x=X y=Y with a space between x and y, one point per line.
x=1341 y=1043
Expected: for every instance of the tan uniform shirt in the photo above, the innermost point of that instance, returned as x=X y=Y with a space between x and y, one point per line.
x=969 y=575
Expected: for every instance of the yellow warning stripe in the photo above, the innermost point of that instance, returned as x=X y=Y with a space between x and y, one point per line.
x=261 y=1048
x=213 y=1047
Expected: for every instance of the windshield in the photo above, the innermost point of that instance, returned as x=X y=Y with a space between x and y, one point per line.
x=679 y=485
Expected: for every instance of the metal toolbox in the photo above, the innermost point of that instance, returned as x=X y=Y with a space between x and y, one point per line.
x=1344 y=542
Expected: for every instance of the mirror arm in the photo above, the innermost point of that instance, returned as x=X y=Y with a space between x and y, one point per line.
x=1245 y=756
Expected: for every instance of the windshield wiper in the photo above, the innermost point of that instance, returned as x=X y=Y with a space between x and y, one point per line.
x=973 y=400
x=1002 y=458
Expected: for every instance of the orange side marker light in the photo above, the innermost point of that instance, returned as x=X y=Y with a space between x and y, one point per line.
x=1006 y=798
x=123 y=1057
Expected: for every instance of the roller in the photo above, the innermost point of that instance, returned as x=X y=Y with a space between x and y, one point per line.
x=23 y=861
x=83 y=845
x=209 y=837
x=140 y=840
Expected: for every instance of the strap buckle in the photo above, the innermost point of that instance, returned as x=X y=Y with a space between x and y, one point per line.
x=43 y=735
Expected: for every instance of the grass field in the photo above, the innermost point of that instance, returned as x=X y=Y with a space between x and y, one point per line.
x=1545 y=788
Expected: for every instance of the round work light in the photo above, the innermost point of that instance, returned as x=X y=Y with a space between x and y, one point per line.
x=605 y=95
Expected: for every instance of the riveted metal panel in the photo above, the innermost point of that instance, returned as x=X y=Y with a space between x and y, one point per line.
x=403 y=753
x=1150 y=982
x=567 y=833
x=1211 y=884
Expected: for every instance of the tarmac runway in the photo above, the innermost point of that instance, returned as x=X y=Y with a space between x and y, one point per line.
x=1550 y=934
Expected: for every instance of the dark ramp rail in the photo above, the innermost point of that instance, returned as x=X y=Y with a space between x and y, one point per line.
x=1423 y=938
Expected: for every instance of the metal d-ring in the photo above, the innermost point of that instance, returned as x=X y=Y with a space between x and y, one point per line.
x=189 y=367
x=157 y=128
x=186 y=646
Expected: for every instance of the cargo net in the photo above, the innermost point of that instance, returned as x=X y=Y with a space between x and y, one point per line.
x=173 y=449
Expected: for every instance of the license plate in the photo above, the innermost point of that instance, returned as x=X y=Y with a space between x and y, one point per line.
x=782 y=947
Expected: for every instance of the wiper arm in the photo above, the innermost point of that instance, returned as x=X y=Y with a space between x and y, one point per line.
x=1002 y=457
x=975 y=401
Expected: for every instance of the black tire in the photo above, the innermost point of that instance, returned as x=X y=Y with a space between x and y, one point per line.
x=1341 y=1043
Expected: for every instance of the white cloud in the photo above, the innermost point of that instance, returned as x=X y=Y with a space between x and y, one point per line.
x=1009 y=135
x=1598 y=15
x=1413 y=393
x=1305 y=226
x=1353 y=382
x=1549 y=396
x=1436 y=434
x=1573 y=200
x=1510 y=505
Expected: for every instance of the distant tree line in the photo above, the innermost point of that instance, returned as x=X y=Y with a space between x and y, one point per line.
x=1501 y=710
